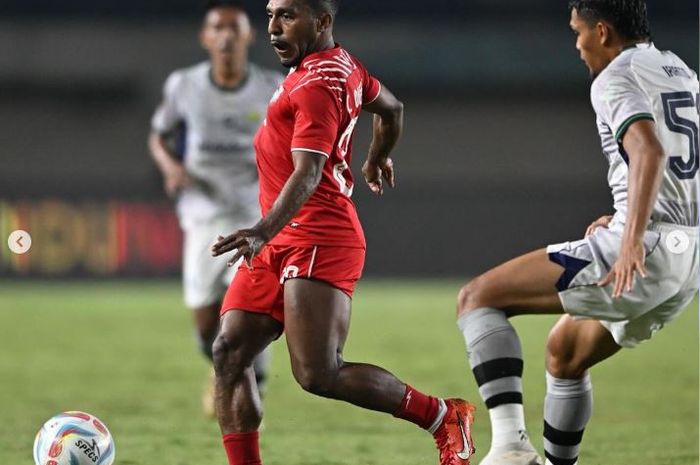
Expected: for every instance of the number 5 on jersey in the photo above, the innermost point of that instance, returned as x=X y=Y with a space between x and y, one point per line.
x=672 y=101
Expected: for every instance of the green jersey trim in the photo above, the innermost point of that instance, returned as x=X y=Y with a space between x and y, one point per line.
x=626 y=124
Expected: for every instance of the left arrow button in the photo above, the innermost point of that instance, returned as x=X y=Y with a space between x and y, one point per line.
x=19 y=241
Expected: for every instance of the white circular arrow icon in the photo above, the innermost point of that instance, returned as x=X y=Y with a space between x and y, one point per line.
x=19 y=241
x=677 y=241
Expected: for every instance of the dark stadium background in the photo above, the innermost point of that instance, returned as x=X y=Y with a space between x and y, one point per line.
x=500 y=153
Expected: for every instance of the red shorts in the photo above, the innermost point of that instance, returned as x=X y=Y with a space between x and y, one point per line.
x=260 y=289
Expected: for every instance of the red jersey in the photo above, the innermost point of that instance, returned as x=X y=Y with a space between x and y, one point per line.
x=315 y=110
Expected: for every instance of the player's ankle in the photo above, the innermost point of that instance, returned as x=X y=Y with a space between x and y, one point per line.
x=242 y=448
x=439 y=418
x=418 y=408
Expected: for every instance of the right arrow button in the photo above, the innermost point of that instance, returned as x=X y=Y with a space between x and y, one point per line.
x=677 y=241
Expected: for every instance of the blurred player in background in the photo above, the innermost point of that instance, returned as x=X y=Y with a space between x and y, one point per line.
x=634 y=271
x=307 y=252
x=218 y=105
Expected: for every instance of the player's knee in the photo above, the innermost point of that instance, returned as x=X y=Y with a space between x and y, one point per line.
x=316 y=381
x=229 y=358
x=471 y=296
x=220 y=353
x=562 y=362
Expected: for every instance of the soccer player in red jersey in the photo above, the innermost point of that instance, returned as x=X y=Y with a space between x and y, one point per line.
x=307 y=252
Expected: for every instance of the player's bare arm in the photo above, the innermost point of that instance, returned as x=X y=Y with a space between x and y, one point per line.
x=386 y=130
x=175 y=176
x=601 y=222
x=646 y=164
x=308 y=168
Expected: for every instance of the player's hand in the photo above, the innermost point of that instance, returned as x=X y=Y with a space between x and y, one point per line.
x=622 y=273
x=246 y=242
x=176 y=179
x=601 y=222
x=374 y=172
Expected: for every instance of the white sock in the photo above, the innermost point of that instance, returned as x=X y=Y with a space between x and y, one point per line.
x=507 y=426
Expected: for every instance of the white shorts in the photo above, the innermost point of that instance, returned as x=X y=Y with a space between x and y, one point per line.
x=206 y=278
x=670 y=285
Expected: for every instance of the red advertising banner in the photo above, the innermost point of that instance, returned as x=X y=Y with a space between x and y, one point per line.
x=91 y=238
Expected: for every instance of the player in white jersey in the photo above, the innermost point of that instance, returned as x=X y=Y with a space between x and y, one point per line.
x=213 y=109
x=634 y=271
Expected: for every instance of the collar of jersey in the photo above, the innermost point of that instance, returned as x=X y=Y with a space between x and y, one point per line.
x=638 y=45
x=224 y=88
x=329 y=52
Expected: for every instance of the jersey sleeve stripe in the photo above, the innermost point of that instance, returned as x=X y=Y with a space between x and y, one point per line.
x=302 y=149
x=626 y=124
x=379 y=91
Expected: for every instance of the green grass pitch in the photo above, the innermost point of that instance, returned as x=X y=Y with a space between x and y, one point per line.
x=125 y=352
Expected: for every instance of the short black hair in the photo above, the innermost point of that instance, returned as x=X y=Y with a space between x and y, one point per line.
x=627 y=17
x=214 y=4
x=324 y=6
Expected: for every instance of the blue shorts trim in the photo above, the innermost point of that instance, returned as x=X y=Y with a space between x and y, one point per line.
x=572 y=266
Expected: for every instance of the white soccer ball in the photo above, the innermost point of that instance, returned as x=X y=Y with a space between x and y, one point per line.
x=73 y=438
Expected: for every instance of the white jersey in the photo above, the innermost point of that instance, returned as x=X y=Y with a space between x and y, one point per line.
x=645 y=83
x=220 y=125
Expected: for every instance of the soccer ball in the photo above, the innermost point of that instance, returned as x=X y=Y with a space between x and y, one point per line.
x=73 y=438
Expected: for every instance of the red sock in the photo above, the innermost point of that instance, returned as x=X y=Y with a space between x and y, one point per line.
x=242 y=448
x=418 y=408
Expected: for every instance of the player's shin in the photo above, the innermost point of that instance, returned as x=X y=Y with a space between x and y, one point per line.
x=239 y=415
x=567 y=409
x=496 y=360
